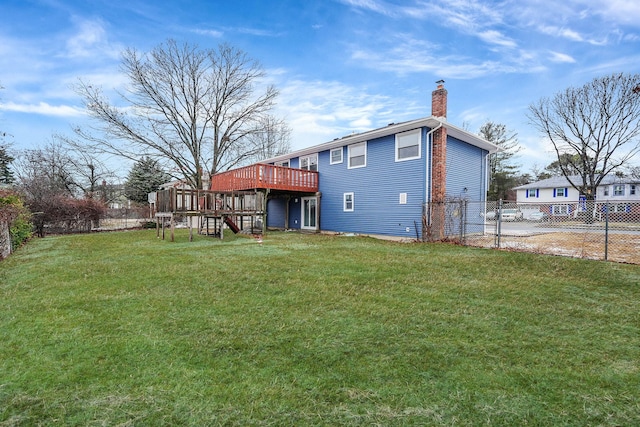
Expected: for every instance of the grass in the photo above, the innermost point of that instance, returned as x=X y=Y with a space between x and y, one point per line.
x=126 y=329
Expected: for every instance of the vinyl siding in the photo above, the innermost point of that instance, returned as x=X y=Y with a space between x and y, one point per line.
x=376 y=188
x=276 y=213
x=466 y=169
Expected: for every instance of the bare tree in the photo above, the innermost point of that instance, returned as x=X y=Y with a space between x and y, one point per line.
x=58 y=185
x=271 y=138
x=195 y=109
x=57 y=166
x=594 y=129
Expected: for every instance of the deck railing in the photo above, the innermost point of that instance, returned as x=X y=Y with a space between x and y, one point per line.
x=178 y=200
x=261 y=176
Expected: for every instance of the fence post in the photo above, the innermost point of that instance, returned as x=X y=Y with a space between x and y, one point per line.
x=606 y=232
x=463 y=220
x=499 y=223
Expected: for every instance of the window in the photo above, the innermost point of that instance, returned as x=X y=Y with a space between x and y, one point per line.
x=560 y=210
x=403 y=198
x=284 y=163
x=531 y=192
x=618 y=190
x=560 y=192
x=408 y=145
x=632 y=190
x=336 y=156
x=357 y=155
x=605 y=190
x=616 y=208
x=348 y=202
x=620 y=208
x=309 y=163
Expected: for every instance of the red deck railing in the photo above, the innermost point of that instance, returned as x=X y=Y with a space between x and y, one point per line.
x=265 y=177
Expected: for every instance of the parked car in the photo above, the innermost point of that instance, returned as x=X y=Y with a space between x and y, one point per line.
x=511 y=215
x=490 y=216
x=539 y=217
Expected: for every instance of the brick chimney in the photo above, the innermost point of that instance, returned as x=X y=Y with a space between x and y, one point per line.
x=439 y=100
x=438 y=163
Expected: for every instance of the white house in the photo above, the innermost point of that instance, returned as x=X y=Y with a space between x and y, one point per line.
x=558 y=198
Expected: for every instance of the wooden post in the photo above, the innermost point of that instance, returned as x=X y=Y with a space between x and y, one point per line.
x=286 y=212
x=173 y=227
x=265 y=197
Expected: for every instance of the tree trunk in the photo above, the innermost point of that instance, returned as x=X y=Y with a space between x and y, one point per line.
x=5 y=240
x=590 y=210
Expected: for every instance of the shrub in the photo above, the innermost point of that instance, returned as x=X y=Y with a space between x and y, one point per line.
x=16 y=216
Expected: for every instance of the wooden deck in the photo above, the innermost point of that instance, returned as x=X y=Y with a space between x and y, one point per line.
x=266 y=177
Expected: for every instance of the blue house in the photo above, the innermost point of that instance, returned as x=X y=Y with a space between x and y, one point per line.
x=390 y=181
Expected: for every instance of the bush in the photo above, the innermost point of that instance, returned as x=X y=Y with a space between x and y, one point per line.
x=65 y=214
x=14 y=213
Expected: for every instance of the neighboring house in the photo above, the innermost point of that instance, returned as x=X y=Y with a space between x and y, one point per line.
x=558 y=198
x=388 y=181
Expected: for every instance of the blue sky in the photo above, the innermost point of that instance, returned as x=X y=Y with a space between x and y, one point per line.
x=341 y=66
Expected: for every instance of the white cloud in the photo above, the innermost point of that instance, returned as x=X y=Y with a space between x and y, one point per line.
x=496 y=38
x=380 y=7
x=90 y=41
x=624 y=12
x=561 y=57
x=561 y=32
x=209 y=33
x=44 y=109
x=319 y=111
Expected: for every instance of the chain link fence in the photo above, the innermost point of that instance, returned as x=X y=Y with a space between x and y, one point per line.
x=594 y=230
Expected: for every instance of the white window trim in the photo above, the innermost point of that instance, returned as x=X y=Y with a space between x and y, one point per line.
x=309 y=157
x=403 y=199
x=563 y=210
x=409 y=133
x=531 y=193
x=618 y=190
x=331 y=161
x=364 y=143
x=344 y=202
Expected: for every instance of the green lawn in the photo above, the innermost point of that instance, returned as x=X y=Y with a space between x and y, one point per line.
x=127 y=329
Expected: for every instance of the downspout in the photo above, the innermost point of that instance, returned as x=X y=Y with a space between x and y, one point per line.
x=486 y=191
x=429 y=182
